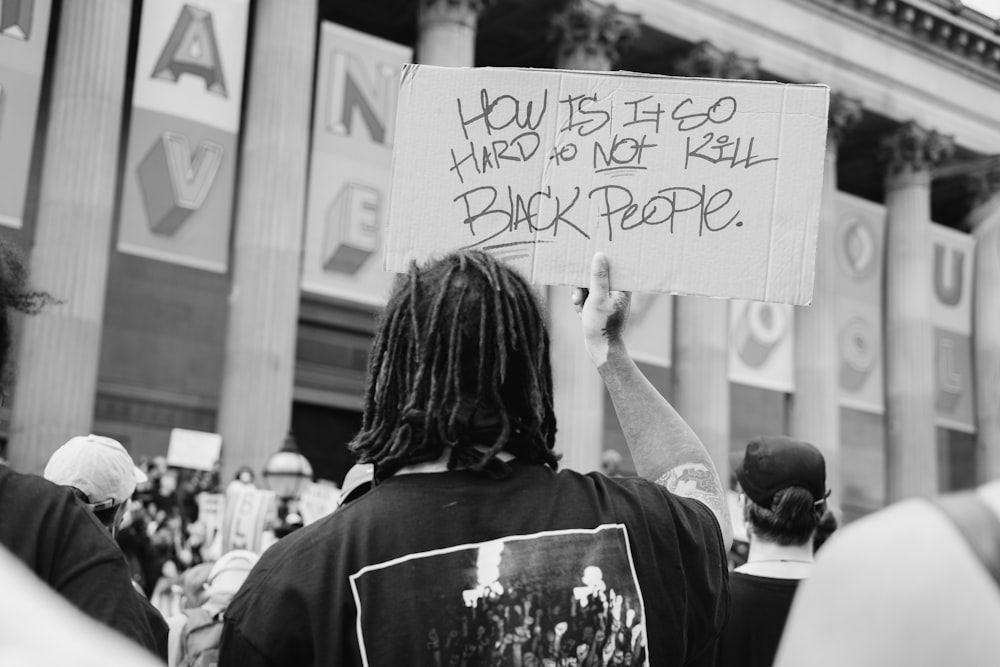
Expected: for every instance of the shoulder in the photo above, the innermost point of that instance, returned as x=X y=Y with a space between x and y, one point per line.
x=904 y=567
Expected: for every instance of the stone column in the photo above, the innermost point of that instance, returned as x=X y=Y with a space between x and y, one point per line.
x=910 y=154
x=590 y=37
x=447 y=32
x=815 y=413
x=985 y=220
x=701 y=325
x=258 y=376
x=58 y=358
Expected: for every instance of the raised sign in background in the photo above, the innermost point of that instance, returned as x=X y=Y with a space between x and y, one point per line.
x=692 y=186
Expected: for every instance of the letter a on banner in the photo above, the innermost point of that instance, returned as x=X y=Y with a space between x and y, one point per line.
x=192 y=49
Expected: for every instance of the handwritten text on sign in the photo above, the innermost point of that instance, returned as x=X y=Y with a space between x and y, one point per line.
x=694 y=186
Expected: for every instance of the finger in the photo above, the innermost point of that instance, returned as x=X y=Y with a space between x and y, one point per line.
x=600 y=275
x=579 y=297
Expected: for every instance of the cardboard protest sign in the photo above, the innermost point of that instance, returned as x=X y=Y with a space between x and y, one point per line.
x=247 y=513
x=197 y=450
x=317 y=500
x=692 y=186
x=211 y=513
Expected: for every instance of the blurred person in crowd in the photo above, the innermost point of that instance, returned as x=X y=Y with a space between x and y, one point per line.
x=468 y=520
x=103 y=476
x=46 y=527
x=244 y=479
x=195 y=633
x=611 y=463
x=916 y=584
x=783 y=483
x=30 y=612
x=101 y=472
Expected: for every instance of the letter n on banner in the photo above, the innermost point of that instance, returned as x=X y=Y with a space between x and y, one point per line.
x=24 y=30
x=951 y=314
x=357 y=84
x=180 y=165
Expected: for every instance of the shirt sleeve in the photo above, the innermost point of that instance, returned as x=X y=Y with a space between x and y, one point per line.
x=236 y=651
x=90 y=572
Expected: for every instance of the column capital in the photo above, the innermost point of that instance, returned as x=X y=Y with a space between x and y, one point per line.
x=912 y=150
x=983 y=182
x=587 y=30
x=845 y=114
x=462 y=12
x=707 y=60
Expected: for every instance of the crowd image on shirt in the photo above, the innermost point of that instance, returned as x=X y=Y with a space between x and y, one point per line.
x=565 y=598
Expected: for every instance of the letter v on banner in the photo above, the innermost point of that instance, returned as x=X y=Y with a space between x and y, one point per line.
x=180 y=165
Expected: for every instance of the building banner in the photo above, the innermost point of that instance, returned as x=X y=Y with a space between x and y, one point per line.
x=354 y=115
x=951 y=314
x=650 y=330
x=24 y=32
x=858 y=239
x=180 y=165
x=762 y=345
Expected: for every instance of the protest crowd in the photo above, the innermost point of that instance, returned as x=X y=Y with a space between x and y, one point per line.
x=459 y=541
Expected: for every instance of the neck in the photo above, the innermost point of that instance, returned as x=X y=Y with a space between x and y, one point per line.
x=762 y=550
x=441 y=464
x=768 y=559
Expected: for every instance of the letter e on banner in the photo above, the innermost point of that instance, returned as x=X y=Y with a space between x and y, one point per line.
x=192 y=49
x=15 y=18
x=352 y=224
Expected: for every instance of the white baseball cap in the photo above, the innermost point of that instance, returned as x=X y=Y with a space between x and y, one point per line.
x=99 y=467
x=230 y=571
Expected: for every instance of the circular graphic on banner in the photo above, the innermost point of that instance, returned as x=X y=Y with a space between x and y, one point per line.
x=857 y=249
x=759 y=331
x=858 y=353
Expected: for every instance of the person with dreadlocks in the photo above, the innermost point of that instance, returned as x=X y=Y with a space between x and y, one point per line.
x=471 y=546
x=53 y=534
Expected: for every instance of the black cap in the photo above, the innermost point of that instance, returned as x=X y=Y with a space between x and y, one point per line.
x=776 y=462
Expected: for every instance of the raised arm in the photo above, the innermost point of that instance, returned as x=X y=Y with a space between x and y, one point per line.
x=663 y=446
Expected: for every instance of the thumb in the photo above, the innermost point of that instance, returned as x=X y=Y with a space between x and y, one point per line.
x=600 y=278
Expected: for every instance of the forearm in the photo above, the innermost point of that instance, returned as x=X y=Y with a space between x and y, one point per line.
x=663 y=446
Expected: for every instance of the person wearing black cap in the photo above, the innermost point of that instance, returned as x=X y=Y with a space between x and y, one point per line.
x=783 y=484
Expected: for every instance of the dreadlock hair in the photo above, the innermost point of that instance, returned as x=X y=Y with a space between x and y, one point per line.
x=460 y=360
x=15 y=296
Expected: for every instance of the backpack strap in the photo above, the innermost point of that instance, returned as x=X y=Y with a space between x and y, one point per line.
x=978 y=524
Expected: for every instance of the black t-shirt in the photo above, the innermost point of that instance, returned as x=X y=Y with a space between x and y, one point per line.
x=63 y=543
x=760 y=608
x=454 y=568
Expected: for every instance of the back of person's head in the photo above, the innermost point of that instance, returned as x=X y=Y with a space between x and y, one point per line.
x=784 y=481
x=15 y=296
x=229 y=572
x=460 y=360
x=100 y=470
x=194 y=584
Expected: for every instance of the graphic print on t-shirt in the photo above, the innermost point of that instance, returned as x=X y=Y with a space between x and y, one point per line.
x=557 y=598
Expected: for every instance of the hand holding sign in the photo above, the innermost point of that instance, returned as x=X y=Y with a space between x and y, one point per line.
x=604 y=312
